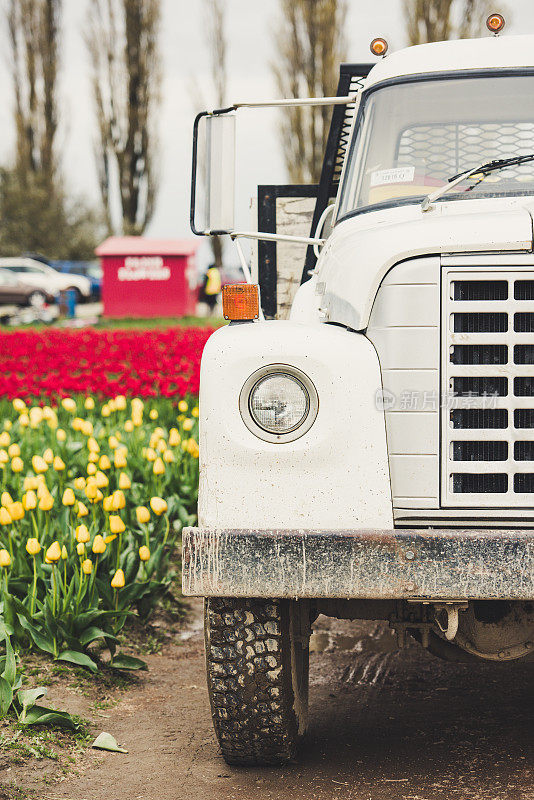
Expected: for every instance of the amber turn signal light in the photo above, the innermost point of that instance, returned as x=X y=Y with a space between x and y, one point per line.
x=495 y=23
x=241 y=301
x=379 y=47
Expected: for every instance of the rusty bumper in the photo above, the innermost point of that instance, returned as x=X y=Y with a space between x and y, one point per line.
x=429 y=564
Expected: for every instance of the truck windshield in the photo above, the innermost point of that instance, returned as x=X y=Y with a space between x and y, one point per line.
x=413 y=137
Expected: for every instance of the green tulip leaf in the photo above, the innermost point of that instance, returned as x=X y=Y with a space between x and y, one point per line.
x=80 y=659
x=93 y=633
x=6 y=697
x=28 y=697
x=128 y=662
x=39 y=715
x=105 y=741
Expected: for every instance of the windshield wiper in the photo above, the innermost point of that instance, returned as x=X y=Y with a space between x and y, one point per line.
x=485 y=169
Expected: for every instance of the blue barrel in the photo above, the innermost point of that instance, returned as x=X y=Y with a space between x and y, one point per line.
x=71 y=303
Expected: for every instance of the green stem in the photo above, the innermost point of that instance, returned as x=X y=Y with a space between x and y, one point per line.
x=54 y=590
x=34 y=589
x=167 y=527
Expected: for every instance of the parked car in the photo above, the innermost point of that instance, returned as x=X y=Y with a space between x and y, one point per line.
x=45 y=278
x=90 y=269
x=15 y=292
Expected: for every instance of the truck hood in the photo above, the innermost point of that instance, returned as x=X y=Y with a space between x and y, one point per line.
x=362 y=249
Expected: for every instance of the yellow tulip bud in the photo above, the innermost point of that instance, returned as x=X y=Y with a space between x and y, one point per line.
x=6 y=499
x=61 y=435
x=24 y=420
x=138 y=403
x=182 y=406
x=117 y=582
x=64 y=554
x=159 y=467
x=91 y=469
x=4 y=458
x=106 y=411
x=30 y=483
x=120 y=458
x=53 y=553
x=99 y=496
x=89 y=403
x=124 y=481
x=104 y=462
x=82 y=534
x=195 y=412
x=5 y=439
x=101 y=479
x=158 y=505
x=13 y=450
x=36 y=416
x=86 y=427
x=79 y=483
x=144 y=553
x=5 y=558
x=187 y=424
x=82 y=509
x=5 y=517
x=150 y=454
x=120 y=402
x=119 y=500
x=58 y=464
x=161 y=446
x=108 y=503
x=46 y=502
x=192 y=448
x=29 y=500
x=80 y=548
x=17 y=465
x=116 y=525
x=87 y=566
x=153 y=414
x=113 y=442
x=16 y=511
x=93 y=445
x=39 y=464
x=91 y=488
x=19 y=405
x=8 y=424
x=99 y=546
x=33 y=547
x=68 y=497
x=92 y=458
x=168 y=456
x=69 y=404
x=48 y=455
x=143 y=514
x=137 y=419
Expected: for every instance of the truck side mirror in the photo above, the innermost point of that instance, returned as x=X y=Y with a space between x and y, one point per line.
x=213 y=178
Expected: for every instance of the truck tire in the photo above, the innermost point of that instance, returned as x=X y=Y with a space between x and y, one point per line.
x=257 y=657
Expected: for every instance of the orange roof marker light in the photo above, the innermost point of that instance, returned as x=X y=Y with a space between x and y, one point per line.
x=241 y=302
x=495 y=23
x=379 y=47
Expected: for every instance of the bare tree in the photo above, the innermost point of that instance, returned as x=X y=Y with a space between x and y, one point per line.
x=311 y=44
x=34 y=32
x=438 y=20
x=123 y=45
x=217 y=45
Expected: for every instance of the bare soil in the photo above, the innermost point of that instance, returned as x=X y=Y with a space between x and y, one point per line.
x=385 y=725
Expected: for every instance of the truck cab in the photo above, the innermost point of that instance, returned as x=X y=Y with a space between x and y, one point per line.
x=372 y=456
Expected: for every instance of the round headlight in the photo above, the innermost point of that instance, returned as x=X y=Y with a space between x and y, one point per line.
x=278 y=403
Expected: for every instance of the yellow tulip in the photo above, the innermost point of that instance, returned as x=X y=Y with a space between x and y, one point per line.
x=120 y=458
x=110 y=538
x=39 y=464
x=168 y=456
x=117 y=582
x=77 y=423
x=5 y=558
x=92 y=458
x=79 y=483
x=36 y=416
x=30 y=483
x=91 y=469
x=87 y=427
x=19 y=405
x=48 y=455
x=8 y=424
x=101 y=479
x=158 y=505
x=113 y=442
x=87 y=566
x=82 y=509
x=108 y=503
x=119 y=500
x=4 y=458
x=48 y=413
x=137 y=418
x=17 y=465
x=99 y=545
x=143 y=514
x=13 y=449
x=192 y=448
x=124 y=481
x=29 y=500
x=68 y=497
x=89 y=403
x=106 y=411
x=64 y=554
x=153 y=414
x=99 y=496
x=24 y=420
x=91 y=488
x=46 y=502
x=161 y=446
x=69 y=404
x=61 y=435
x=93 y=445
x=116 y=525
x=195 y=412
x=174 y=437
x=53 y=553
x=80 y=548
x=82 y=534
x=144 y=553
x=16 y=510
x=120 y=402
x=159 y=467
x=6 y=499
x=58 y=464
x=128 y=426
x=182 y=406
x=33 y=547
x=104 y=462
x=137 y=403
x=150 y=454
x=187 y=424
x=42 y=488
x=5 y=517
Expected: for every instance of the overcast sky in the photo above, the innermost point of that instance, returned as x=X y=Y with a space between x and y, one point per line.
x=250 y=32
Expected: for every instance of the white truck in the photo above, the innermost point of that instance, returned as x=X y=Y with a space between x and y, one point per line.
x=372 y=456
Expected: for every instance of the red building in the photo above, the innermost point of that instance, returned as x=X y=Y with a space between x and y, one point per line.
x=148 y=277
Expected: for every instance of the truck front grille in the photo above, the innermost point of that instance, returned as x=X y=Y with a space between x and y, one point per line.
x=488 y=387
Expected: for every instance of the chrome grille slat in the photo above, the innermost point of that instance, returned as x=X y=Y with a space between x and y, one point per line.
x=488 y=376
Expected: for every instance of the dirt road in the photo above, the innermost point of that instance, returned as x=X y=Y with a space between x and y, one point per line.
x=384 y=725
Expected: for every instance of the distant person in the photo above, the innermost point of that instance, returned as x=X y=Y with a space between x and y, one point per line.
x=211 y=288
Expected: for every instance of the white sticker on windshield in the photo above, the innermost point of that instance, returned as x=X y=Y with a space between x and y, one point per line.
x=380 y=177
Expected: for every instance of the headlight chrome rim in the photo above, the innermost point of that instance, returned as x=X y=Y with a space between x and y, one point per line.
x=254 y=380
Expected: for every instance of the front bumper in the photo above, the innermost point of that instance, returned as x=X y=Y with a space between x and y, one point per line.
x=418 y=564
